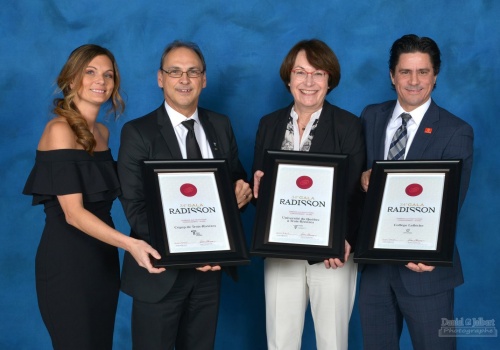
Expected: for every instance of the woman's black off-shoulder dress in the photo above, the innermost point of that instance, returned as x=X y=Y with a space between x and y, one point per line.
x=77 y=276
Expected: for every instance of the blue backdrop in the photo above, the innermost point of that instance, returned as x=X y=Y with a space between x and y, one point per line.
x=244 y=43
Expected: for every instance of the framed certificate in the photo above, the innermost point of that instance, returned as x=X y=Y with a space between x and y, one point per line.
x=410 y=213
x=301 y=209
x=192 y=213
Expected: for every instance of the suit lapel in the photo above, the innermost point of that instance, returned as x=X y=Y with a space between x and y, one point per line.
x=324 y=132
x=210 y=133
x=381 y=120
x=280 y=125
x=427 y=128
x=168 y=134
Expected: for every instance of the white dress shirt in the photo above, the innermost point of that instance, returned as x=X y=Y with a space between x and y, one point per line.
x=180 y=131
x=412 y=126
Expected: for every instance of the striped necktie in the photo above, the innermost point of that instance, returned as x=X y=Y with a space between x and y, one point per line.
x=398 y=143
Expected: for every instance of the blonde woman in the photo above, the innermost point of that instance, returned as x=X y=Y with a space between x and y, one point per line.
x=74 y=177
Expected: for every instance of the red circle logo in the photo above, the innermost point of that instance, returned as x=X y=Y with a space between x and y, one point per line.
x=188 y=190
x=414 y=190
x=304 y=182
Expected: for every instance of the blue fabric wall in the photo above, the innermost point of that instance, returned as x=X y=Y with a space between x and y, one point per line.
x=244 y=43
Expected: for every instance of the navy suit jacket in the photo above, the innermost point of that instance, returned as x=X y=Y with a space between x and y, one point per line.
x=338 y=131
x=153 y=137
x=441 y=135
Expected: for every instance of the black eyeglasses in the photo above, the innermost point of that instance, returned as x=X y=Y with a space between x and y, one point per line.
x=177 y=73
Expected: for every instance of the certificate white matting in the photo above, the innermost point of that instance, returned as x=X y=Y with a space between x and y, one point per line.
x=302 y=215
x=410 y=212
x=194 y=220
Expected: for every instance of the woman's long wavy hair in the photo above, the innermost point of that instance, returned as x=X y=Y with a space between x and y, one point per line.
x=69 y=82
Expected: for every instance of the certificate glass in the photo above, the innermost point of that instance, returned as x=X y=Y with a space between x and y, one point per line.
x=194 y=222
x=410 y=213
x=413 y=223
x=301 y=206
x=193 y=217
x=290 y=222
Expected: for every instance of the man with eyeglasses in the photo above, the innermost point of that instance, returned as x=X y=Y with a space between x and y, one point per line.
x=177 y=307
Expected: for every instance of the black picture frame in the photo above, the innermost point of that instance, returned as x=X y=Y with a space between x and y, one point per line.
x=262 y=246
x=237 y=253
x=442 y=255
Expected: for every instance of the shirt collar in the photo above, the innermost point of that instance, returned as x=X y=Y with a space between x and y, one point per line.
x=314 y=116
x=177 y=118
x=416 y=115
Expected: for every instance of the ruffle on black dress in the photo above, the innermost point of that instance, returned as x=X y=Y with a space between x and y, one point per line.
x=68 y=171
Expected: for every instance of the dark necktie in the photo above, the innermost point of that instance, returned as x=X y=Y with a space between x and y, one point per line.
x=398 y=143
x=192 y=147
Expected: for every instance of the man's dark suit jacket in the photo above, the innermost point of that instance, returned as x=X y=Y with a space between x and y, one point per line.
x=153 y=137
x=338 y=131
x=447 y=137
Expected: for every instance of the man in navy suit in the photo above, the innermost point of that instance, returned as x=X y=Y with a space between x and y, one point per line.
x=420 y=294
x=176 y=307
